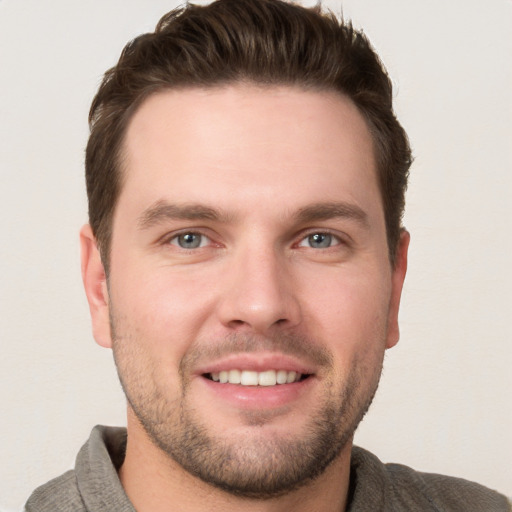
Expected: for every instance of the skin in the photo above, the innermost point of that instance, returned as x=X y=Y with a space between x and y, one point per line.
x=276 y=165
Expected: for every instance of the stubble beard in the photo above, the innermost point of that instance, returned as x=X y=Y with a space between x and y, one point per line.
x=253 y=466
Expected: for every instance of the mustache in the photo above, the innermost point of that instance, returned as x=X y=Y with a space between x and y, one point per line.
x=236 y=343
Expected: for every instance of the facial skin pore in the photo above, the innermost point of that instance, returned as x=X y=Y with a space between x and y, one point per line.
x=249 y=235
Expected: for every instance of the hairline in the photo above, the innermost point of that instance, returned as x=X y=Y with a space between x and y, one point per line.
x=298 y=85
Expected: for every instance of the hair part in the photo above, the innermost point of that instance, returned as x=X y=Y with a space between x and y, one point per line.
x=265 y=42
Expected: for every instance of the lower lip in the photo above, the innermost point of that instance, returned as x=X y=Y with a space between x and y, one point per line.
x=259 y=397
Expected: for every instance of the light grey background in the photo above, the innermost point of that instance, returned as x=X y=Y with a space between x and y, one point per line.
x=444 y=402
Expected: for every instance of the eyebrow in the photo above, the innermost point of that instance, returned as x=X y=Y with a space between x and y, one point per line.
x=162 y=211
x=326 y=211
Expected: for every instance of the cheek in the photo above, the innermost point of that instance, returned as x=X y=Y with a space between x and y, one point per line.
x=166 y=308
x=350 y=312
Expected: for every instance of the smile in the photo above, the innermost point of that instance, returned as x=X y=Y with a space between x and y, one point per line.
x=253 y=378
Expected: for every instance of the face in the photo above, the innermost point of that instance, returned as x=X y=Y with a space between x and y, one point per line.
x=251 y=298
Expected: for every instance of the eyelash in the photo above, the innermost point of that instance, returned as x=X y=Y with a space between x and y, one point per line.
x=303 y=238
x=176 y=236
x=334 y=238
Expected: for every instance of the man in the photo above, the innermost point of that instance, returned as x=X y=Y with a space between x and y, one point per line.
x=244 y=260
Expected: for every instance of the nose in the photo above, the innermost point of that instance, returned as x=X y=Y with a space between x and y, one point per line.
x=259 y=293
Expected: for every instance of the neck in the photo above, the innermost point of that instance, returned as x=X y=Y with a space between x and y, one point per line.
x=156 y=483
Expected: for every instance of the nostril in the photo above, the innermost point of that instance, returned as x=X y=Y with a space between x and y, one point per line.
x=237 y=323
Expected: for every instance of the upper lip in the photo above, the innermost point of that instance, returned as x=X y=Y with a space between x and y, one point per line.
x=258 y=362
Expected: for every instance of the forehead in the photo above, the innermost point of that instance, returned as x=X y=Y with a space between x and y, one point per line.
x=242 y=144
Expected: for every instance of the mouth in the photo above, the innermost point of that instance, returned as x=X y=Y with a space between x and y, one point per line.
x=265 y=378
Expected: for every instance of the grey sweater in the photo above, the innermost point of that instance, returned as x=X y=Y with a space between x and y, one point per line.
x=93 y=486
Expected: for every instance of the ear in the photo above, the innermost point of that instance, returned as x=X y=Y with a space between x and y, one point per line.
x=95 y=284
x=397 y=282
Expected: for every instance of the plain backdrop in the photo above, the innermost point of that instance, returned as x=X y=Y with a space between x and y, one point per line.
x=444 y=404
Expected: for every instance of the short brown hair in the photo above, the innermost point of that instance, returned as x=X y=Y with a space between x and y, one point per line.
x=258 y=41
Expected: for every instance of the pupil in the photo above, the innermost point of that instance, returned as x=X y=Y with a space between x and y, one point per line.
x=189 y=240
x=320 y=240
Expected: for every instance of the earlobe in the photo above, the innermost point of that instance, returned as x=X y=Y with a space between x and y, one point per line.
x=397 y=282
x=95 y=285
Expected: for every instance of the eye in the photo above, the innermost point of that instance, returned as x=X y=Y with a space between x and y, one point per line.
x=319 y=241
x=190 y=240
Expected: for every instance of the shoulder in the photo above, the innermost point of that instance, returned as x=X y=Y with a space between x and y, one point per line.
x=399 y=487
x=445 y=492
x=58 y=495
x=93 y=484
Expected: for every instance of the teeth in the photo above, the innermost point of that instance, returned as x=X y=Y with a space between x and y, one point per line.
x=251 y=378
x=291 y=377
x=234 y=376
x=282 y=376
x=267 y=378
